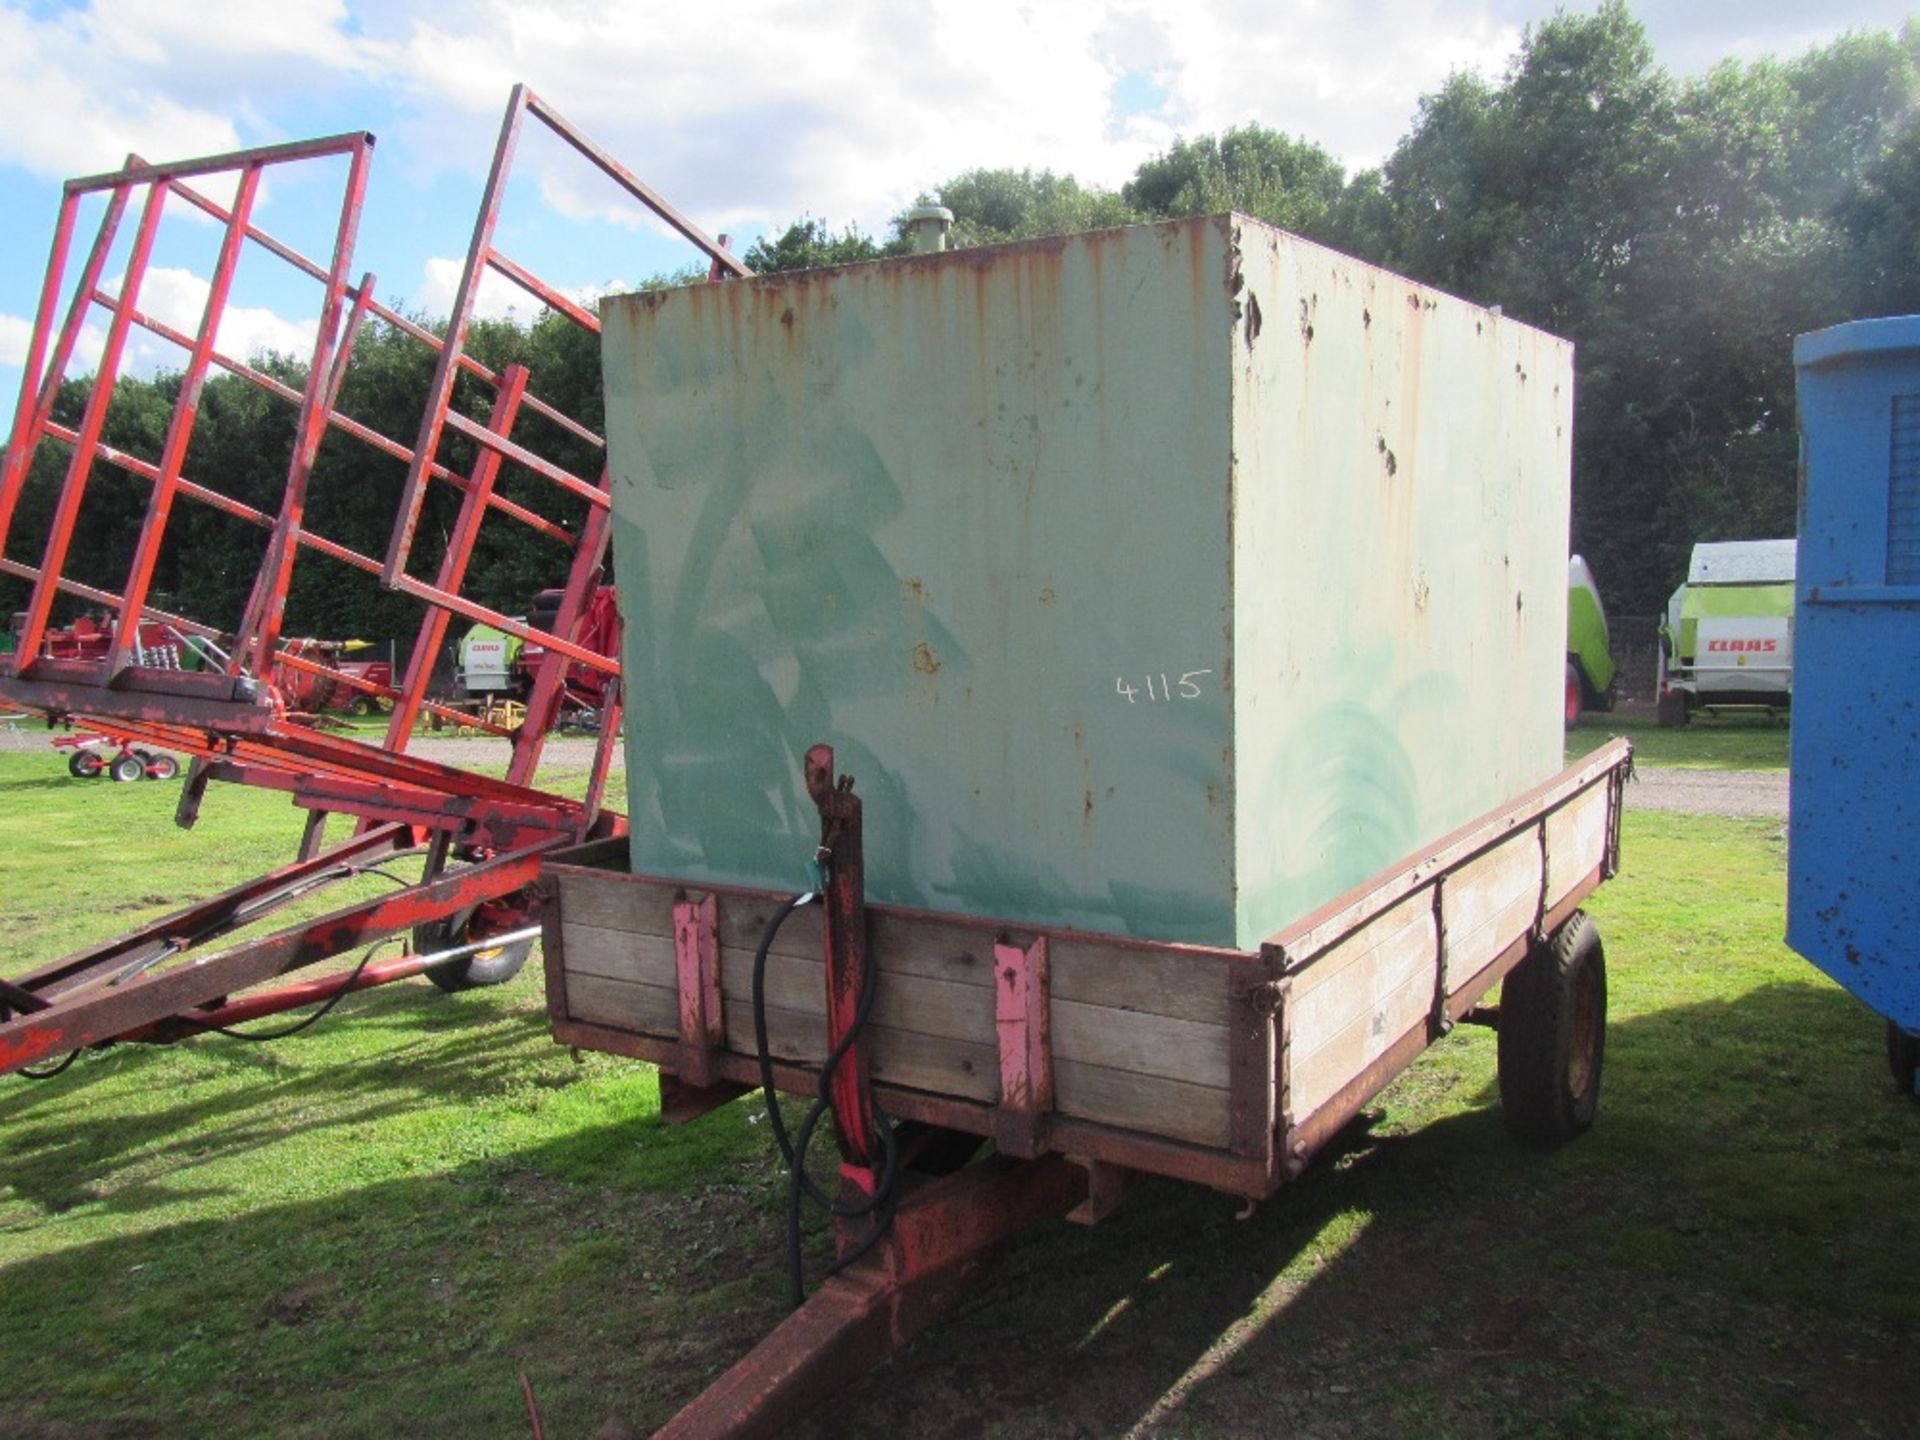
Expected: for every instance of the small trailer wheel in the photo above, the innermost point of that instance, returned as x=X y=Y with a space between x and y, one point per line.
x=85 y=764
x=162 y=767
x=1903 y=1058
x=363 y=706
x=127 y=767
x=1553 y=1035
x=483 y=967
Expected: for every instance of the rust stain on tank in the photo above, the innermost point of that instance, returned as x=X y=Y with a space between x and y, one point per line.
x=924 y=660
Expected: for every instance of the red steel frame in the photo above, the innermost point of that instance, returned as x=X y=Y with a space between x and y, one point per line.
x=232 y=721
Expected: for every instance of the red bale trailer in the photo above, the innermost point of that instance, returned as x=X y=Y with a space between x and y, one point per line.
x=232 y=693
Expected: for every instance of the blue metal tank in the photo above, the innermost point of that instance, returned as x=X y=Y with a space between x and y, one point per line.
x=1853 y=876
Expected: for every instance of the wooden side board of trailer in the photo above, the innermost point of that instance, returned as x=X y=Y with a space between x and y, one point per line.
x=1224 y=1067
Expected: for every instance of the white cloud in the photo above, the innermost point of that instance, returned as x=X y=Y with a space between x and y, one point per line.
x=499 y=297
x=844 y=110
x=178 y=299
x=81 y=88
x=15 y=331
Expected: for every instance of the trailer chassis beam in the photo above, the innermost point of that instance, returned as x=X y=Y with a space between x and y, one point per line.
x=945 y=1231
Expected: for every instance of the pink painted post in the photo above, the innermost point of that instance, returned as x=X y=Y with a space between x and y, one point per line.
x=696 y=953
x=1022 y=1021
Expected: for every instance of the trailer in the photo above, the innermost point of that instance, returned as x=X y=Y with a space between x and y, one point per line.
x=1852 y=908
x=1152 y=859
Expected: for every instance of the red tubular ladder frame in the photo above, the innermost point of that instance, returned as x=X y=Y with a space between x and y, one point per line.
x=231 y=720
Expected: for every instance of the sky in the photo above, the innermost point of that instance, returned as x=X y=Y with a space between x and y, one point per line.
x=745 y=118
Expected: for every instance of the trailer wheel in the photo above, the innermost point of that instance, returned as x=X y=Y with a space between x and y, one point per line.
x=363 y=706
x=1553 y=1035
x=163 y=767
x=85 y=765
x=483 y=967
x=127 y=767
x=1903 y=1058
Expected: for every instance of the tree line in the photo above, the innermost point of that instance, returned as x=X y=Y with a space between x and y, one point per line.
x=1679 y=230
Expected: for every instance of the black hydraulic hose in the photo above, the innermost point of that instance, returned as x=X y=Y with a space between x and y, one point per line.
x=301 y=1024
x=882 y=1203
x=25 y=1074
x=345 y=871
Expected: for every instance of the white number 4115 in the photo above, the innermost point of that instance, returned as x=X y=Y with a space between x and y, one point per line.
x=1186 y=685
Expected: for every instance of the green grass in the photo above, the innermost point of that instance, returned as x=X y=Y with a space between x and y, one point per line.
x=374 y=1228
x=1737 y=742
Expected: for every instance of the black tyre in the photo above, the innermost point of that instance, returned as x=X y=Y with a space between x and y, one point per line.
x=483 y=967
x=162 y=767
x=85 y=765
x=363 y=706
x=1553 y=1035
x=1903 y=1058
x=1672 y=710
x=127 y=767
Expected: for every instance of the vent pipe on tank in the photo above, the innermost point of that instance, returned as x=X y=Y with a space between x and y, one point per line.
x=928 y=225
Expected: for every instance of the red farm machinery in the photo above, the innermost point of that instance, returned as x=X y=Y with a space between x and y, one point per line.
x=234 y=695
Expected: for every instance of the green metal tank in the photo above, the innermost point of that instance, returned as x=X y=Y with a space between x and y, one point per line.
x=1165 y=581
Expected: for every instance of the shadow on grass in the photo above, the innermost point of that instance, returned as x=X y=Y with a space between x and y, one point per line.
x=1726 y=1253
x=420 y=1051
x=59 y=780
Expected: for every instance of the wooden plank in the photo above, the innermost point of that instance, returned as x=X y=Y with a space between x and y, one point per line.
x=1184 y=986
x=616 y=902
x=617 y=954
x=959 y=954
x=1489 y=902
x=743 y=921
x=624 y=1005
x=896 y=1057
x=1140 y=1044
x=1387 y=931
x=1254 y=1096
x=1341 y=1026
x=1149 y=1104
x=1337 y=919
x=1315 y=1078
x=903 y=1002
x=1576 y=843
x=553 y=951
